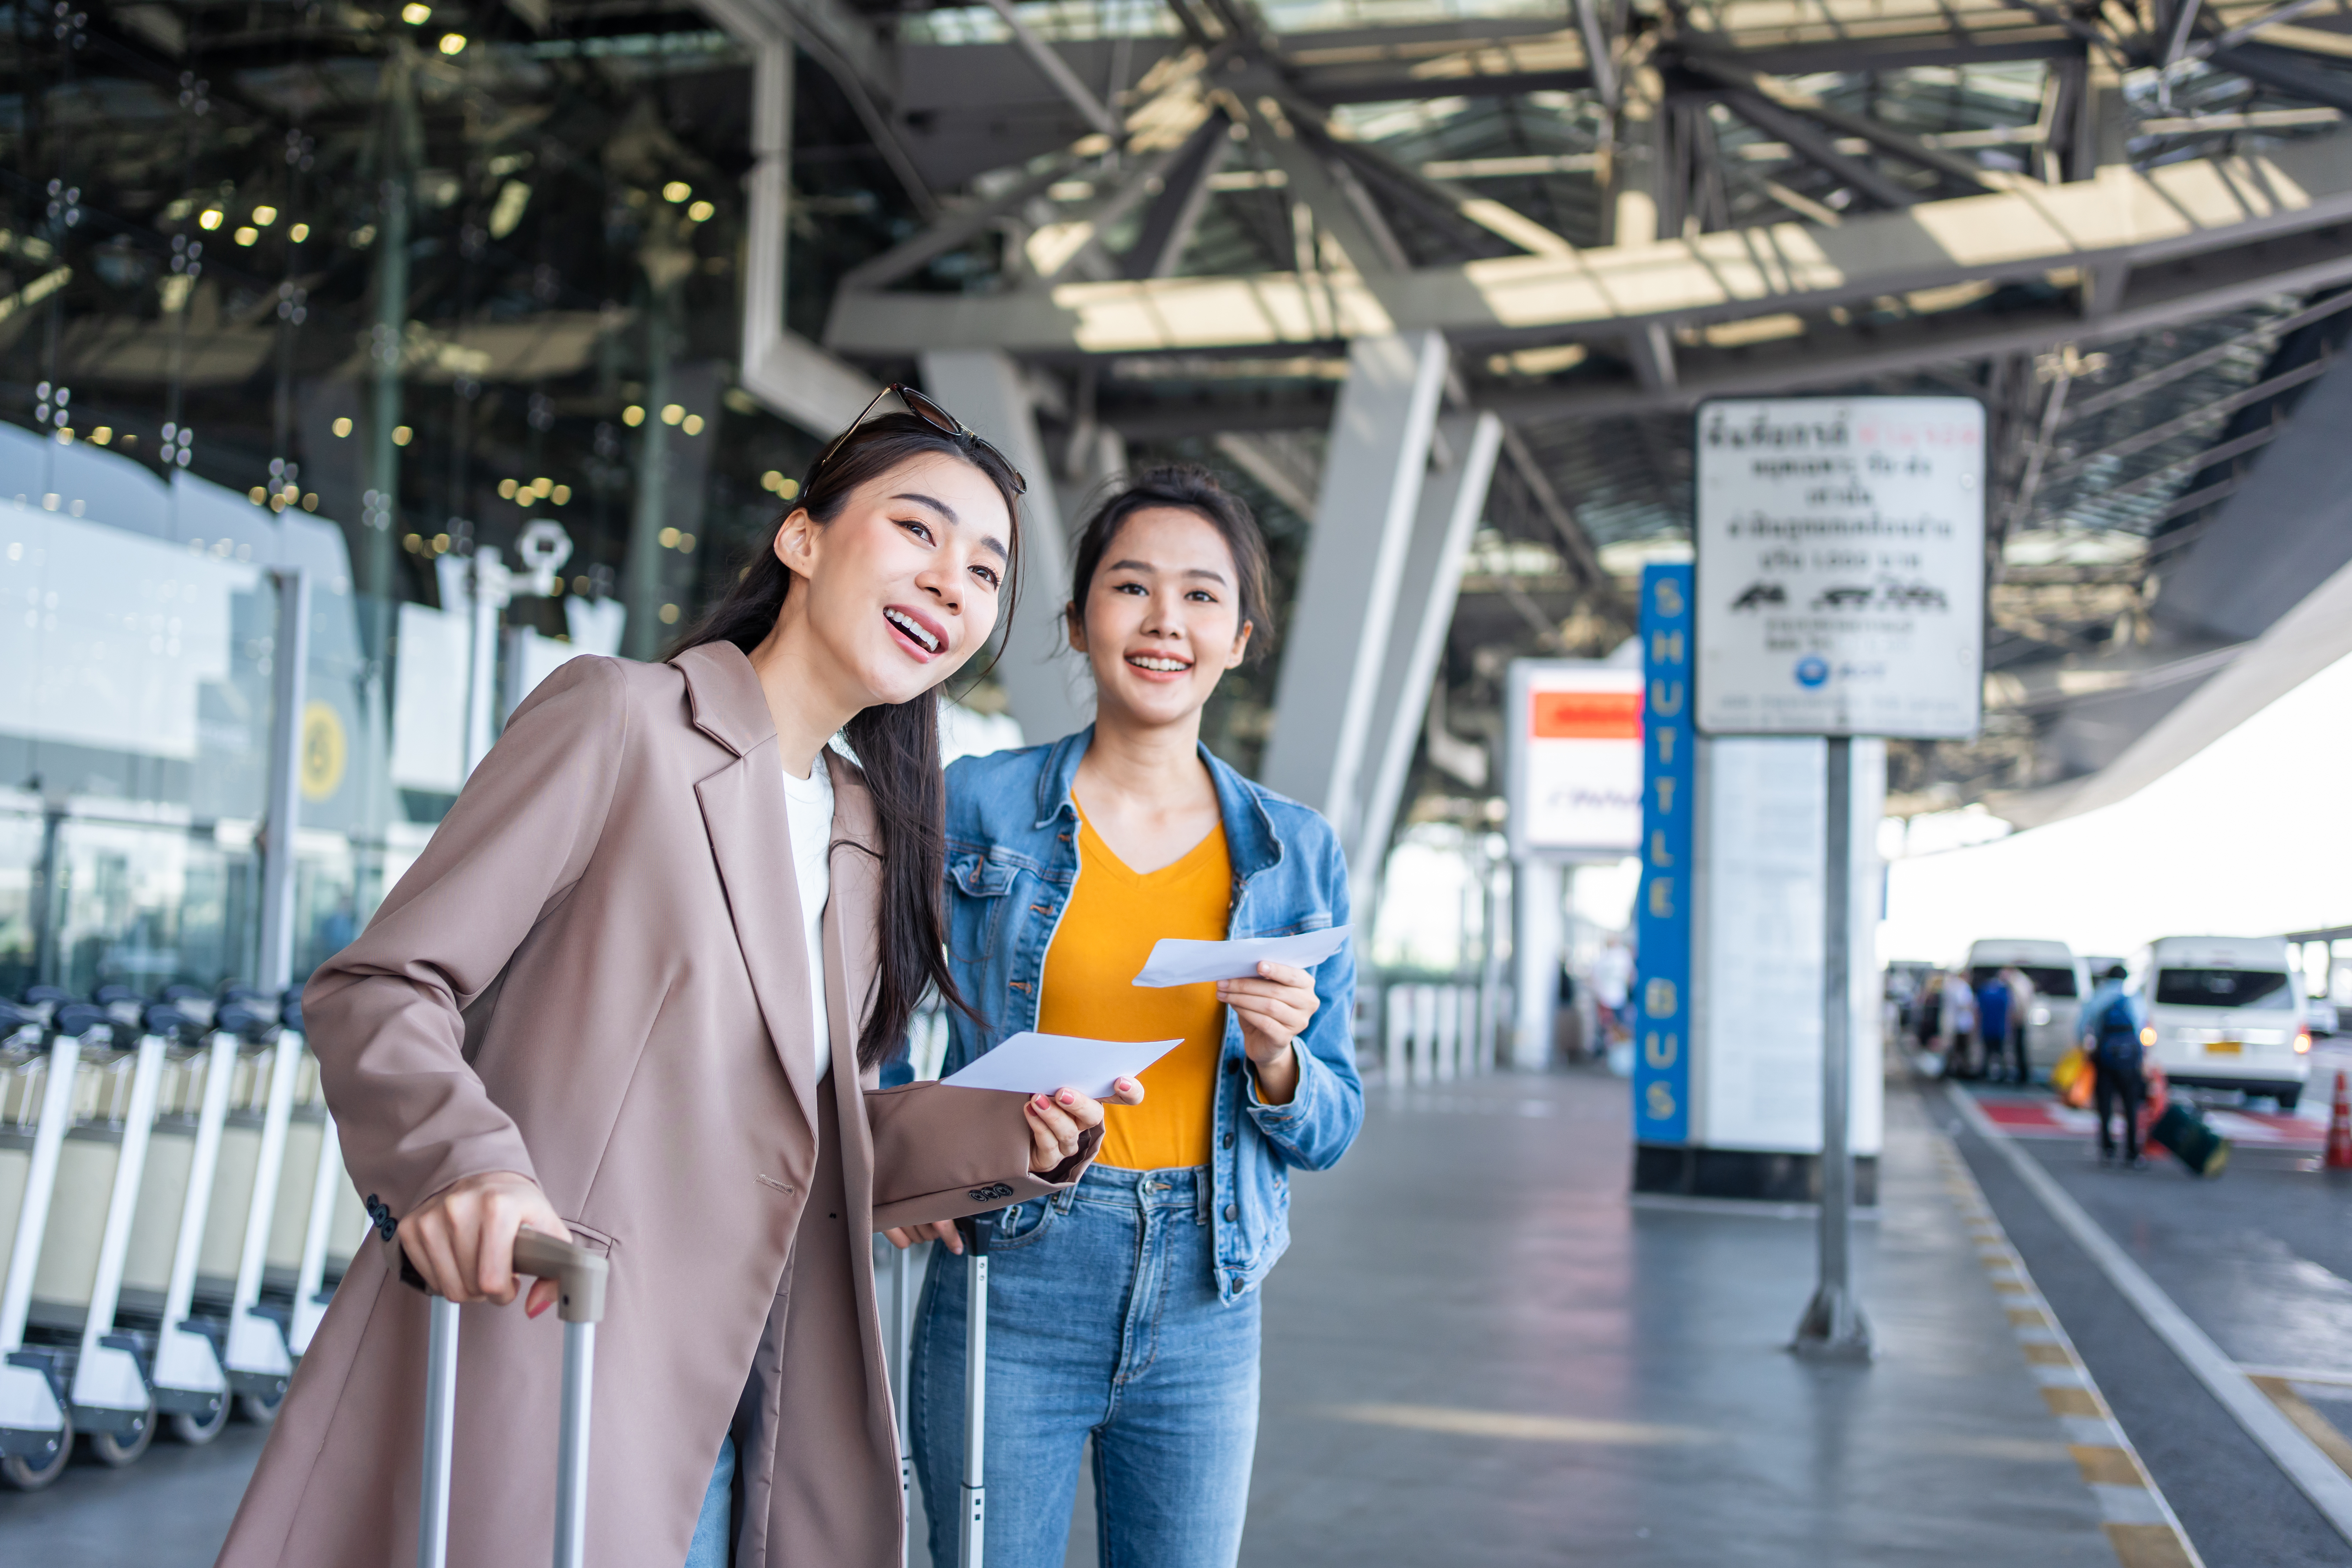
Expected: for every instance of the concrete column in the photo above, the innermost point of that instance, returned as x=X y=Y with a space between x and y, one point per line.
x=1336 y=643
x=1537 y=934
x=1045 y=683
x=1452 y=498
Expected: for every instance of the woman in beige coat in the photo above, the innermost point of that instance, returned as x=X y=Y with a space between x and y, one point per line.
x=603 y=1004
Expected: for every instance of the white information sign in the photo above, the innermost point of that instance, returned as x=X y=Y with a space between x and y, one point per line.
x=1575 y=780
x=1839 y=580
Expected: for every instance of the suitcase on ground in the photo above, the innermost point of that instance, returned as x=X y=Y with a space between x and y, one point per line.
x=581 y=1274
x=2191 y=1139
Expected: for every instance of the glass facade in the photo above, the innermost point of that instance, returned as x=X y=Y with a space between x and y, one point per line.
x=365 y=290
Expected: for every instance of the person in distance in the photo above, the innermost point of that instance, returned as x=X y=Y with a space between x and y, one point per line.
x=1126 y=1306
x=635 y=993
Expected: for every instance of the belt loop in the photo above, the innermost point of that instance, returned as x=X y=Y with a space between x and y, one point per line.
x=1204 y=1189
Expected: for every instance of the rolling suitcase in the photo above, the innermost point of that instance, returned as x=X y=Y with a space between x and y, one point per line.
x=581 y=1274
x=2191 y=1139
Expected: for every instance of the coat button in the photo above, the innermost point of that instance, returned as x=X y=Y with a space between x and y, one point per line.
x=1233 y=1065
x=1232 y=1212
x=1229 y=1140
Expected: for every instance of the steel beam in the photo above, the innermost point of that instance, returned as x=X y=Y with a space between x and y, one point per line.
x=2204 y=208
x=2309 y=262
x=1175 y=213
x=1058 y=72
x=1045 y=684
x=789 y=373
x=1349 y=583
x=2289 y=72
x=1452 y=499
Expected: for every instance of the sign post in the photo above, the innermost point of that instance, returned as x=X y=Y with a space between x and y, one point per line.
x=1839 y=592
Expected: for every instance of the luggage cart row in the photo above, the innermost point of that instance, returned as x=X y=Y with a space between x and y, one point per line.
x=173 y=1210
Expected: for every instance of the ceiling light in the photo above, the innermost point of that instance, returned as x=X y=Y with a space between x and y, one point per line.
x=415 y=13
x=453 y=42
x=677 y=191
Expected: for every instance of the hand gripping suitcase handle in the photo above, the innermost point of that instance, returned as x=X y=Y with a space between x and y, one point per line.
x=580 y=1276
x=578 y=1272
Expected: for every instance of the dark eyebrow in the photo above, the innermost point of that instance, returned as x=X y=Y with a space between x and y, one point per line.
x=987 y=540
x=1147 y=566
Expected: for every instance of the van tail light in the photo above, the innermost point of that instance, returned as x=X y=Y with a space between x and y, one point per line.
x=2303 y=1042
x=2147 y=1035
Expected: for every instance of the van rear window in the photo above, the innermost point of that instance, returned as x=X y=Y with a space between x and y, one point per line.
x=2219 y=987
x=2048 y=980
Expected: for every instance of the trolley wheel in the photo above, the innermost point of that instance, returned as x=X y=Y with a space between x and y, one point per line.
x=196 y=1431
x=27 y=1475
x=116 y=1450
x=260 y=1411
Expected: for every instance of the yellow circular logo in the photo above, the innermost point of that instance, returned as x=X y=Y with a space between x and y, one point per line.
x=324 y=751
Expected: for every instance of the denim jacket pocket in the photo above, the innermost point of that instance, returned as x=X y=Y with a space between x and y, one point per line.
x=978 y=887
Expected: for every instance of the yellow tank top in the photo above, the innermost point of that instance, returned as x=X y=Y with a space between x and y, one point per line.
x=1115 y=915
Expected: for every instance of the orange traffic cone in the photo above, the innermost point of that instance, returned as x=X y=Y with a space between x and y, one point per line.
x=2339 y=1129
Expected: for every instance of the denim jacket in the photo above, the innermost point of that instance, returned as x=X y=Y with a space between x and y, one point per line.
x=1012 y=860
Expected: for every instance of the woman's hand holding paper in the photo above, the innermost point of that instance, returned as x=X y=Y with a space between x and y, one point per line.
x=1055 y=1122
x=1273 y=1010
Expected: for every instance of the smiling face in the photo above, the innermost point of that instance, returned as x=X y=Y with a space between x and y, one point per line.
x=901 y=587
x=1162 y=618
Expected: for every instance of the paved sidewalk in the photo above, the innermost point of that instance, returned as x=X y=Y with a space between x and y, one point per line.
x=1480 y=1353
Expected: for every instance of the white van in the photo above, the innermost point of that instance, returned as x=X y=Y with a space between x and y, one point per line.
x=2058 y=990
x=2226 y=1014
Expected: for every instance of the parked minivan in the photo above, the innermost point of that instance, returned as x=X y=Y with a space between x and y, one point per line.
x=2225 y=1013
x=2058 y=991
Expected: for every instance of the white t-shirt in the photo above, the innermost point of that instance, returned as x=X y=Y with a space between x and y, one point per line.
x=808 y=805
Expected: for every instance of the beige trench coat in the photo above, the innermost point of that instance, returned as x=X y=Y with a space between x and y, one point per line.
x=594 y=975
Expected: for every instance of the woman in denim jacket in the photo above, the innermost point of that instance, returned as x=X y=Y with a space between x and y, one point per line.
x=1126 y=1309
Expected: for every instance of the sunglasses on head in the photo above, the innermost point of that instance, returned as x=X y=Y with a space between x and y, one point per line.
x=923 y=408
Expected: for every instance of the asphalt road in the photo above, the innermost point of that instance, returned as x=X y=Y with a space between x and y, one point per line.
x=2260 y=1258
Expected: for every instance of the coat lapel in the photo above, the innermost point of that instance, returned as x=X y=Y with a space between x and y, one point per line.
x=750 y=838
x=851 y=919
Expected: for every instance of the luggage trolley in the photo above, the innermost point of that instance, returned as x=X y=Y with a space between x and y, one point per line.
x=74 y=1224
x=190 y=1386
x=328 y=1187
x=36 y=1102
x=256 y=1356
x=77 y=1283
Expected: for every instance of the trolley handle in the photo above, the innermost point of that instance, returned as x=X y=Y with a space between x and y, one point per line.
x=579 y=1273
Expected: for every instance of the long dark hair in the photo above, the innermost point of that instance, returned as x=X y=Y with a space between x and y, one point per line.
x=1187 y=486
x=898 y=744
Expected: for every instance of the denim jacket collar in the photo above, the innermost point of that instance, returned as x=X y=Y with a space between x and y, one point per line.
x=1250 y=839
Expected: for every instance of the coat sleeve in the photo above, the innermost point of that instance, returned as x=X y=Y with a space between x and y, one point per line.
x=941 y=1152
x=386 y=1015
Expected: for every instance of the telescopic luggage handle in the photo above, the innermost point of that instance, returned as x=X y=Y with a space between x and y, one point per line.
x=580 y=1276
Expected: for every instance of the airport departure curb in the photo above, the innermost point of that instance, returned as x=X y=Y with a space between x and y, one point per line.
x=2139 y=1521
x=2311 y=1471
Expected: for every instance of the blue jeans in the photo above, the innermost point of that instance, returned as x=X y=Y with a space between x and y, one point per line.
x=1103 y=1318
x=714 y=1530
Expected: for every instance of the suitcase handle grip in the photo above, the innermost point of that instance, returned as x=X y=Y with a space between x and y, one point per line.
x=578 y=1274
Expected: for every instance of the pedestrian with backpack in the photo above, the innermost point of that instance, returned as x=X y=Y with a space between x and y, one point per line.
x=2112 y=1024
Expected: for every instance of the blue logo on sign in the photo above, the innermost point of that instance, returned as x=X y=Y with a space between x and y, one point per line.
x=1812 y=669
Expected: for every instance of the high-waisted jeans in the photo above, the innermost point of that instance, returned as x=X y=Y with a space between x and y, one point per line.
x=1103 y=1319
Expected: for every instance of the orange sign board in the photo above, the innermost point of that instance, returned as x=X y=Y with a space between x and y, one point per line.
x=1585 y=715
